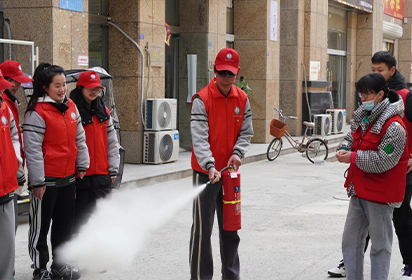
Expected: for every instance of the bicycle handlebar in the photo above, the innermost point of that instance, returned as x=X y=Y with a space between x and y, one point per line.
x=283 y=116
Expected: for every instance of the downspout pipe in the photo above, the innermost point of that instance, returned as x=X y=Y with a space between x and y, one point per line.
x=143 y=60
x=8 y=24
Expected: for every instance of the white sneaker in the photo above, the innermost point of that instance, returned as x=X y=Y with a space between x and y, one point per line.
x=339 y=271
x=407 y=273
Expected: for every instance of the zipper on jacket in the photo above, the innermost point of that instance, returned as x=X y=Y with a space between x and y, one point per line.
x=68 y=144
x=2 y=172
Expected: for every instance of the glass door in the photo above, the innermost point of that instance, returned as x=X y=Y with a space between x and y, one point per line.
x=337 y=76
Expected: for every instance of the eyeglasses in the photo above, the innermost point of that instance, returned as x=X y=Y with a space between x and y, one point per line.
x=225 y=73
x=364 y=95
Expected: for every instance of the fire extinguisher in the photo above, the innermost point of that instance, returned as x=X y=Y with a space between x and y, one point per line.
x=231 y=199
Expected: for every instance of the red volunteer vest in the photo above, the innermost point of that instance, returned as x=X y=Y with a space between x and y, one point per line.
x=59 y=143
x=383 y=187
x=96 y=140
x=408 y=125
x=8 y=160
x=225 y=121
x=16 y=116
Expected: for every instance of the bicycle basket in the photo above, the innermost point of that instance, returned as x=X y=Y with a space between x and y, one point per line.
x=277 y=128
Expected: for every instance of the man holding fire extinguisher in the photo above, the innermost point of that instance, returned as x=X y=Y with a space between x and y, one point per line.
x=221 y=125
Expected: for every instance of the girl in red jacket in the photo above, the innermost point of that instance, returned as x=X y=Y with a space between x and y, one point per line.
x=378 y=156
x=55 y=146
x=102 y=143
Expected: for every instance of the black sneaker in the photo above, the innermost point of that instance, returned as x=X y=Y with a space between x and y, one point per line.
x=407 y=273
x=66 y=272
x=42 y=274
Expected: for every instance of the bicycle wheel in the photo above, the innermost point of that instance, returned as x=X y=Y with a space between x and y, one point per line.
x=274 y=149
x=316 y=149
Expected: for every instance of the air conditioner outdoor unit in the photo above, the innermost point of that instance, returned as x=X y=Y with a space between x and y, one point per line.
x=338 y=119
x=161 y=113
x=323 y=124
x=160 y=146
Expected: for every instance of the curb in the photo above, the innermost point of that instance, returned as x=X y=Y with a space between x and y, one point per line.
x=175 y=175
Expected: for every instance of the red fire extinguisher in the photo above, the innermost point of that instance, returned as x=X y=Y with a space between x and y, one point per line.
x=231 y=200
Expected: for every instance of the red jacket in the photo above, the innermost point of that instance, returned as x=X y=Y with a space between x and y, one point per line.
x=386 y=187
x=225 y=116
x=9 y=164
x=16 y=116
x=408 y=125
x=96 y=140
x=59 y=143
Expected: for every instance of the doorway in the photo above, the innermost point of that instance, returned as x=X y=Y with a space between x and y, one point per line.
x=337 y=76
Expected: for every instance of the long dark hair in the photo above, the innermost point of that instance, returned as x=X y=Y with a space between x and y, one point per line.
x=43 y=77
x=76 y=94
x=375 y=82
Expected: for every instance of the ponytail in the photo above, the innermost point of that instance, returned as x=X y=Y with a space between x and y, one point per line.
x=42 y=78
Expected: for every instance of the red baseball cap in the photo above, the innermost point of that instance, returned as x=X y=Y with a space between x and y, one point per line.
x=13 y=70
x=227 y=59
x=4 y=84
x=89 y=79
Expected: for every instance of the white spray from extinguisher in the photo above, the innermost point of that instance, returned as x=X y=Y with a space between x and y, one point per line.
x=121 y=225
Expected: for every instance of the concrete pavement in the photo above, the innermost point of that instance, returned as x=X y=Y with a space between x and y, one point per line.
x=291 y=227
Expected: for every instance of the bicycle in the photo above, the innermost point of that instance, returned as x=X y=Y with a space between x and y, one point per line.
x=315 y=147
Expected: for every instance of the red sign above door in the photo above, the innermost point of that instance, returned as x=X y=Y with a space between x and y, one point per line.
x=393 y=8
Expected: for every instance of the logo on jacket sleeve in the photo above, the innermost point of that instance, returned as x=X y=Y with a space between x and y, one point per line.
x=237 y=110
x=73 y=115
x=4 y=120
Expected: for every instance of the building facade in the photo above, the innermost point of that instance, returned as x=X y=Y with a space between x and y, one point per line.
x=287 y=48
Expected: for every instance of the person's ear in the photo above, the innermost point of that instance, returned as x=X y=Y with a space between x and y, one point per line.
x=392 y=70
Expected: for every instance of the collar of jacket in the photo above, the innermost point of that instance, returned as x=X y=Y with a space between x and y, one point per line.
x=216 y=93
x=397 y=81
x=61 y=106
x=97 y=108
x=379 y=115
x=12 y=97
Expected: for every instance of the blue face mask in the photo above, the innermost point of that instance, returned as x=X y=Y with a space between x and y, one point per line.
x=369 y=105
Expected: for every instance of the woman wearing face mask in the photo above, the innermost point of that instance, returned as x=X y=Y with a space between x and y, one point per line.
x=102 y=143
x=375 y=181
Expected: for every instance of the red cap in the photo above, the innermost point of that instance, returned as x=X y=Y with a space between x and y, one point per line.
x=4 y=84
x=227 y=59
x=13 y=70
x=89 y=79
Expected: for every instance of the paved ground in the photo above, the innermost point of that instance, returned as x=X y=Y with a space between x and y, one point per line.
x=292 y=228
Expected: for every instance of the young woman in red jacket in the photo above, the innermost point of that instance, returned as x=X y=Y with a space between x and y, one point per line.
x=378 y=156
x=55 y=148
x=102 y=143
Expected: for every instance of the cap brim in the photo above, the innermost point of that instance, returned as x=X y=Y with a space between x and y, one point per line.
x=89 y=86
x=22 y=79
x=4 y=84
x=230 y=68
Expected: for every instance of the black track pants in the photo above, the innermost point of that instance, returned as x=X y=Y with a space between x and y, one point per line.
x=57 y=206
x=200 y=255
x=402 y=221
x=88 y=191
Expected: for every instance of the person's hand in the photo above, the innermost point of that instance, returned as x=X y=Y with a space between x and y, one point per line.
x=39 y=192
x=343 y=156
x=113 y=178
x=235 y=159
x=213 y=173
x=409 y=164
x=81 y=174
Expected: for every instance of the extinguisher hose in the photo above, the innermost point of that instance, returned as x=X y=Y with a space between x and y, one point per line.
x=227 y=167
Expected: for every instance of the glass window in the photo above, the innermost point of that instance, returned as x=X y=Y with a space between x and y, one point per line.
x=388 y=46
x=336 y=29
x=98 y=36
